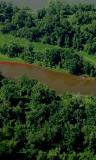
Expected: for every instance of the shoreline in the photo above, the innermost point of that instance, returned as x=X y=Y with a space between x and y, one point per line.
x=56 y=70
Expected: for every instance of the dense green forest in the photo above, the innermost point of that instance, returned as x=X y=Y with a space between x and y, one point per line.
x=35 y=122
x=71 y=28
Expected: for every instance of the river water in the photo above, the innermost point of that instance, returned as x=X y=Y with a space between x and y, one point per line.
x=60 y=82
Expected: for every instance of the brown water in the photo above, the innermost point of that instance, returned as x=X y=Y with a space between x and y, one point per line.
x=57 y=81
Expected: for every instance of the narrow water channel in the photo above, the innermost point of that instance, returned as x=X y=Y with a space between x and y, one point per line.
x=57 y=81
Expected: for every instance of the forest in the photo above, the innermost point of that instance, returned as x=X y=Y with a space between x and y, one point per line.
x=70 y=28
x=35 y=122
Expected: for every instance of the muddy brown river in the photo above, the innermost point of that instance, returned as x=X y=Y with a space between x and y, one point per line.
x=60 y=82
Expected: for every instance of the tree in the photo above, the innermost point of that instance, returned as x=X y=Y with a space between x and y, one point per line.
x=42 y=94
x=22 y=18
x=12 y=49
x=52 y=57
x=28 y=54
x=91 y=48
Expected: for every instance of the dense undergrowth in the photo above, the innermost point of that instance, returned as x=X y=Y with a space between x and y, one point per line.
x=35 y=123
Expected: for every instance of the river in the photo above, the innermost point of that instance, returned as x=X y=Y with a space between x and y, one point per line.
x=60 y=82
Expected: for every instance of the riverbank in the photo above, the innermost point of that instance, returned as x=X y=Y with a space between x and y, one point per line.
x=59 y=82
x=5 y=59
x=39 y=48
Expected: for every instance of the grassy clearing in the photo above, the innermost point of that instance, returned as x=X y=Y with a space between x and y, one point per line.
x=6 y=58
x=8 y=38
x=1 y=25
x=89 y=58
x=38 y=46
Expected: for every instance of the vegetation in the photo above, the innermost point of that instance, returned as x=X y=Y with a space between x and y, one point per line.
x=35 y=123
x=39 y=37
x=6 y=59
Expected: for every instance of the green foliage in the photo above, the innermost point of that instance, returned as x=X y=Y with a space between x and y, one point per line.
x=6 y=11
x=28 y=54
x=62 y=25
x=57 y=24
x=40 y=92
x=37 y=124
x=22 y=18
x=53 y=57
x=12 y=50
x=91 y=48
